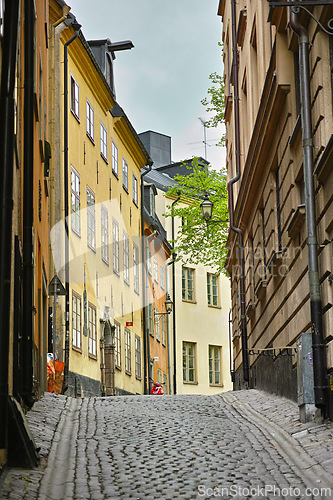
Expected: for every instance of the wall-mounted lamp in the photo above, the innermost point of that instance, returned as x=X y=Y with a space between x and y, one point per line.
x=207 y=211
x=168 y=304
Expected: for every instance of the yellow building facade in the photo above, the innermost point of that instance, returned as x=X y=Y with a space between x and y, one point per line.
x=105 y=157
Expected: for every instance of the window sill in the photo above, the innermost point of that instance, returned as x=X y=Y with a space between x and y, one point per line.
x=136 y=203
x=125 y=189
x=106 y=262
x=116 y=272
x=115 y=174
x=104 y=158
x=128 y=373
x=214 y=307
x=216 y=385
x=190 y=383
x=118 y=368
x=75 y=116
x=75 y=232
x=91 y=139
x=297 y=221
x=190 y=301
x=138 y=377
x=127 y=283
x=91 y=248
x=92 y=356
x=77 y=349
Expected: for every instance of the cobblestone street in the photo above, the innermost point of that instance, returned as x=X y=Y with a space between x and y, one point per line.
x=245 y=444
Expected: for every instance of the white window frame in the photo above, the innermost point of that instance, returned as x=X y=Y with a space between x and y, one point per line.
x=115 y=245
x=105 y=234
x=90 y=121
x=148 y=261
x=126 y=256
x=163 y=330
x=136 y=270
x=76 y=318
x=125 y=175
x=91 y=220
x=128 y=366
x=114 y=159
x=117 y=351
x=135 y=190
x=155 y=270
x=75 y=97
x=75 y=201
x=92 y=328
x=188 y=277
x=137 y=357
x=189 y=362
x=212 y=290
x=162 y=281
x=157 y=325
x=104 y=142
x=215 y=374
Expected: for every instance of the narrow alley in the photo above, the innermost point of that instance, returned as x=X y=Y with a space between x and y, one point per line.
x=244 y=444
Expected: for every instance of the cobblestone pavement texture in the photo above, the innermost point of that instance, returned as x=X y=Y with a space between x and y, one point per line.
x=245 y=444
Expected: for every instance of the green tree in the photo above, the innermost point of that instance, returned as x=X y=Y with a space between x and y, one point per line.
x=197 y=241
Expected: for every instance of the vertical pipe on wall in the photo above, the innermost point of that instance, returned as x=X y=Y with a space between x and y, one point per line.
x=174 y=300
x=318 y=346
x=235 y=179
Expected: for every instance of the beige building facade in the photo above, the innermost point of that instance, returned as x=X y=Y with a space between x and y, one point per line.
x=280 y=268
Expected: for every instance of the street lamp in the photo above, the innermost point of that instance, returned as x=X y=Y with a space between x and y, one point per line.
x=206 y=208
x=168 y=304
x=207 y=211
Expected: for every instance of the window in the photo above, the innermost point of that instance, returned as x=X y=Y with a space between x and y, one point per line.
x=212 y=290
x=115 y=243
x=104 y=142
x=125 y=174
x=135 y=190
x=76 y=321
x=150 y=320
x=75 y=108
x=189 y=362
x=91 y=219
x=278 y=209
x=127 y=351
x=149 y=261
x=159 y=376
x=117 y=350
x=163 y=329
x=75 y=199
x=157 y=324
x=136 y=268
x=165 y=383
x=137 y=357
x=92 y=330
x=90 y=121
x=105 y=233
x=155 y=270
x=188 y=284
x=152 y=203
x=214 y=364
x=126 y=257
x=114 y=159
x=162 y=277
x=264 y=240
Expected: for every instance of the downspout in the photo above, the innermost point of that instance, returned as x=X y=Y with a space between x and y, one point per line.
x=231 y=361
x=318 y=345
x=65 y=12
x=144 y=312
x=174 y=298
x=168 y=328
x=235 y=179
x=7 y=103
x=66 y=368
x=28 y=203
x=147 y=300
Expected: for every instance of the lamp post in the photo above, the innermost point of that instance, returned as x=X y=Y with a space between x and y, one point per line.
x=207 y=211
x=168 y=304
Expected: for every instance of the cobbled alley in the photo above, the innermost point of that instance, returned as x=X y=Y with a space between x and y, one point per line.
x=245 y=444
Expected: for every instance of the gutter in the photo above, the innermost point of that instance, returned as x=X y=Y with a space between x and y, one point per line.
x=149 y=384
x=7 y=104
x=235 y=179
x=318 y=345
x=174 y=300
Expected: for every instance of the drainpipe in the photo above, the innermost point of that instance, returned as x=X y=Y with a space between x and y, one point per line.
x=318 y=345
x=235 y=179
x=231 y=361
x=28 y=199
x=174 y=299
x=144 y=311
x=9 y=51
x=76 y=27
x=147 y=300
x=65 y=12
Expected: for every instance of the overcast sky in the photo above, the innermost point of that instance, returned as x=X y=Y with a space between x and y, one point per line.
x=161 y=81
